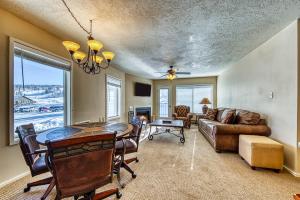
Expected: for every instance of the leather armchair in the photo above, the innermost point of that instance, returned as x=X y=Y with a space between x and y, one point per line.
x=182 y=112
x=34 y=157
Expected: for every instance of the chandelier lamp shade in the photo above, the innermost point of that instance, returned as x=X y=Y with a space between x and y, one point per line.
x=91 y=62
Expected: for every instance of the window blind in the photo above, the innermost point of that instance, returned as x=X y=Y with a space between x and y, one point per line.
x=35 y=55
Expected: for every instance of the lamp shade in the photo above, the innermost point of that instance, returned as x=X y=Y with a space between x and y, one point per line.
x=108 y=55
x=71 y=46
x=95 y=45
x=97 y=59
x=205 y=101
x=79 y=56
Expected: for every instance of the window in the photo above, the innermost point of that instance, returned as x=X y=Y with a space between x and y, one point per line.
x=163 y=102
x=191 y=95
x=40 y=89
x=113 y=97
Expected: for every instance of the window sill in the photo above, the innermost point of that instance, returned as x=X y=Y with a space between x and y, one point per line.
x=113 y=118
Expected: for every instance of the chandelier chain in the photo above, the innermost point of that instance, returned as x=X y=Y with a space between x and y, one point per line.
x=77 y=21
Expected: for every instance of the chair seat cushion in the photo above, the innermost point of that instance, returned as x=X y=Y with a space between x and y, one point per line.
x=130 y=145
x=39 y=166
x=182 y=118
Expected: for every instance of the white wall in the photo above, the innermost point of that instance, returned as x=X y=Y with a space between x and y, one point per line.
x=272 y=67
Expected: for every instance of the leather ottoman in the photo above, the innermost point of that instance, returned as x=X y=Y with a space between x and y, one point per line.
x=261 y=151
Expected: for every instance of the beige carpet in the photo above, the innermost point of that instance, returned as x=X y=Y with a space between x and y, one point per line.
x=170 y=170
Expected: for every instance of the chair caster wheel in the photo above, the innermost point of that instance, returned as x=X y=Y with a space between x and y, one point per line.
x=133 y=175
x=27 y=189
x=123 y=186
x=119 y=195
x=137 y=160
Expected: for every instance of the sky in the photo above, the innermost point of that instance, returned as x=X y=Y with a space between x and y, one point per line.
x=36 y=73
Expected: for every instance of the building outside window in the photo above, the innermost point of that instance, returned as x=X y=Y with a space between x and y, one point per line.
x=191 y=95
x=39 y=88
x=113 y=97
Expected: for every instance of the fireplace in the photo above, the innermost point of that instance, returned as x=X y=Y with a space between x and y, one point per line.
x=145 y=112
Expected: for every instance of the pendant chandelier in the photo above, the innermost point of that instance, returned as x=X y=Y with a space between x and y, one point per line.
x=91 y=62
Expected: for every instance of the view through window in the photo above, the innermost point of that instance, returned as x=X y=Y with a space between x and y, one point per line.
x=191 y=95
x=39 y=91
x=113 y=97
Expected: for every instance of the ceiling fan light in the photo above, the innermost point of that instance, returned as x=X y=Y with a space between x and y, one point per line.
x=108 y=55
x=171 y=76
x=97 y=59
x=79 y=56
x=94 y=45
x=71 y=46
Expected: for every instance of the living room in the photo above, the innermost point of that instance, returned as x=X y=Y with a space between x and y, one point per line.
x=176 y=67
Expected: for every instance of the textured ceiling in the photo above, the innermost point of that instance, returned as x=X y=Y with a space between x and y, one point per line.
x=201 y=36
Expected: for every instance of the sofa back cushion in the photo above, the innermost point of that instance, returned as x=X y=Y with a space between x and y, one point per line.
x=211 y=114
x=247 y=117
x=228 y=116
x=219 y=114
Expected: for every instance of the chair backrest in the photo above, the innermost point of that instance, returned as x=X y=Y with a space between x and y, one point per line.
x=137 y=129
x=28 y=143
x=81 y=165
x=182 y=110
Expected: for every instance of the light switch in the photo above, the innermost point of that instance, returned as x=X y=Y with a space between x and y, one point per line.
x=271 y=95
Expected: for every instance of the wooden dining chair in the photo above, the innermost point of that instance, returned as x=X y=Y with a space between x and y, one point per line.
x=81 y=165
x=34 y=157
x=128 y=145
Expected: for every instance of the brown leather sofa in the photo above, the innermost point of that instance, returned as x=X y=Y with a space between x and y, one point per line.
x=225 y=137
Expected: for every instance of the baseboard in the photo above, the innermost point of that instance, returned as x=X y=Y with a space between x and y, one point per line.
x=4 y=183
x=296 y=174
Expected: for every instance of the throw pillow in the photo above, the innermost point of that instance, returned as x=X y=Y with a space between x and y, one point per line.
x=228 y=116
x=247 y=117
x=211 y=114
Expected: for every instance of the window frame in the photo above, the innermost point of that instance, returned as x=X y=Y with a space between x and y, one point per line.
x=13 y=43
x=195 y=86
x=119 y=97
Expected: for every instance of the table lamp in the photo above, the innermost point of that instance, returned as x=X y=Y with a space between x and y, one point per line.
x=205 y=101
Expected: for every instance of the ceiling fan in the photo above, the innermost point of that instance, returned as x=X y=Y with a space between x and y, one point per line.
x=171 y=73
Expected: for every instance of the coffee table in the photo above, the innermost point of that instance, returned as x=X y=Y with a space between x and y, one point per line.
x=167 y=126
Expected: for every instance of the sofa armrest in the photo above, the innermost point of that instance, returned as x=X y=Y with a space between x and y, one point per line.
x=232 y=129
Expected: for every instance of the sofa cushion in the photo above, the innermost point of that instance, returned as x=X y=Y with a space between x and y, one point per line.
x=228 y=116
x=211 y=114
x=219 y=114
x=247 y=117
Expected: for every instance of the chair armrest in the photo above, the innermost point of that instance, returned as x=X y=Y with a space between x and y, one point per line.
x=37 y=152
x=127 y=137
x=189 y=116
x=174 y=115
x=232 y=129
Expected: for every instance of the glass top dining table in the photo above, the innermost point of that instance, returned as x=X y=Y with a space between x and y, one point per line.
x=82 y=130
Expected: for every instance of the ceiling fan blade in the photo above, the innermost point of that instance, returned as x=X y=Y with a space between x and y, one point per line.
x=163 y=75
x=186 y=73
